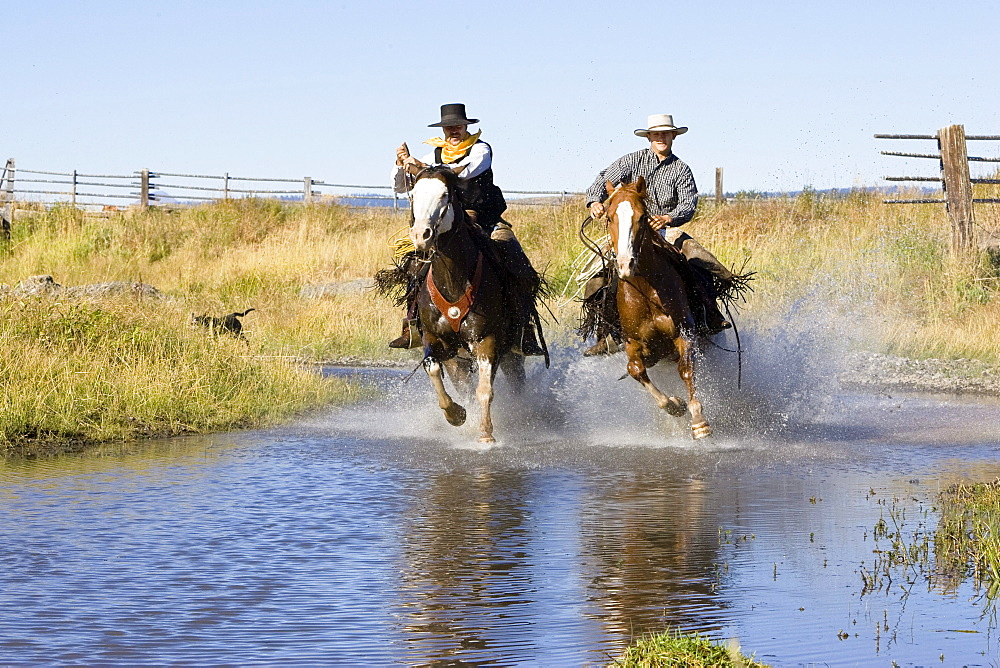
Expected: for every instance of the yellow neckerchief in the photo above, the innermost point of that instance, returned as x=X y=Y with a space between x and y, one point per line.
x=449 y=153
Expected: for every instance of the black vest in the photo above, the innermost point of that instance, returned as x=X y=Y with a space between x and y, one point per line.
x=480 y=194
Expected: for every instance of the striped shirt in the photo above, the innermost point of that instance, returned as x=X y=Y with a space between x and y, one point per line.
x=670 y=188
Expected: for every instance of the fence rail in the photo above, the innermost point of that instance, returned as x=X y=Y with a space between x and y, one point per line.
x=155 y=188
x=956 y=182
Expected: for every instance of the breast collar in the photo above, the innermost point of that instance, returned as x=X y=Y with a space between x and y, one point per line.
x=455 y=312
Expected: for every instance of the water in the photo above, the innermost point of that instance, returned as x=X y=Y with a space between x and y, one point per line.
x=379 y=535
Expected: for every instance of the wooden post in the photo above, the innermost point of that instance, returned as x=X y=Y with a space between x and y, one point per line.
x=73 y=192
x=720 y=197
x=957 y=186
x=144 y=190
x=225 y=186
x=7 y=214
x=307 y=190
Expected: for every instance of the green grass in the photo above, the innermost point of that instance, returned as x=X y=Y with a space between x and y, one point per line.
x=77 y=373
x=967 y=540
x=681 y=650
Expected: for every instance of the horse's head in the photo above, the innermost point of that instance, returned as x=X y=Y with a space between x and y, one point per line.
x=434 y=194
x=626 y=221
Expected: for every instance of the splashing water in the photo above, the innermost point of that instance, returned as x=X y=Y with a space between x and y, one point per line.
x=787 y=380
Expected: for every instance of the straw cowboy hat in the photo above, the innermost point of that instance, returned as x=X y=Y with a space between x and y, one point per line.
x=453 y=114
x=660 y=123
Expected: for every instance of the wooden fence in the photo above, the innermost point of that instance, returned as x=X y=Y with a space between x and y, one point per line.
x=955 y=180
x=147 y=187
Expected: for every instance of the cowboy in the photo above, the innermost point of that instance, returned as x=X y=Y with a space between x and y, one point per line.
x=471 y=158
x=671 y=199
x=458 y=148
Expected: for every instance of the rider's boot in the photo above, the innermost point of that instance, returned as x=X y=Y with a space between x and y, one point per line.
x=715 y=322
x=410 y=338
x=529 y=345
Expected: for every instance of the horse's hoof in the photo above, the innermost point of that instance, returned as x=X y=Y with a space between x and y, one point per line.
x=485 y=438
x=455 y=415
x=701 y=430
x=675 y=406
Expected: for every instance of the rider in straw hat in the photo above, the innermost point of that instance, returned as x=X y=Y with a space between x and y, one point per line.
x=472 y=159
x=671 y=198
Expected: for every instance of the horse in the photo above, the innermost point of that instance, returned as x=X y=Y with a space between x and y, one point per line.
x=657 y=321
x=465 y=303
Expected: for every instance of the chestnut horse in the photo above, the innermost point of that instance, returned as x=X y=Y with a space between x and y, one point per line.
x=656 y=318
x=464 y=303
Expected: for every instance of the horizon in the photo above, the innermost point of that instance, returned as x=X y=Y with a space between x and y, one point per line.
x=781 y=96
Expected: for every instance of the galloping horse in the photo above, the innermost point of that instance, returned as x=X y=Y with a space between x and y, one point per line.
x=465 y=301
x=656 y=317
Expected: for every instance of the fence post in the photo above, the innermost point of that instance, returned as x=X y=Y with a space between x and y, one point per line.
x=73 y=192
x=307 y=190
x=225 y=186
x=144 y=189
x=7 y=214
x=720 y=197
x=957 y=186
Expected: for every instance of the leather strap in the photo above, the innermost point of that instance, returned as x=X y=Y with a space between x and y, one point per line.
x=455 y=312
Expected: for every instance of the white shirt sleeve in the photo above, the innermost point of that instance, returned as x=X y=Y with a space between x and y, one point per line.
x=480 y=159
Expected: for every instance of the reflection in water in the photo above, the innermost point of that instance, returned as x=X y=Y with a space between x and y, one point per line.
x=466 y=544
x=362 y=539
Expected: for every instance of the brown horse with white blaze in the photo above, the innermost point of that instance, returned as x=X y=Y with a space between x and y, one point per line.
x=656 y=317
x=464 y=303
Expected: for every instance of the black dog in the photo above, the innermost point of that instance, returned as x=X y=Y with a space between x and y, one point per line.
x=228 y=324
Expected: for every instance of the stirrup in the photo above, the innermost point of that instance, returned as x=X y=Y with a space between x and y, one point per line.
x=528 y=347
x=410 y=338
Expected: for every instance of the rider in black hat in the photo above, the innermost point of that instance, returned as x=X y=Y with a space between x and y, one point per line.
x=459 y=148
x=471 y=159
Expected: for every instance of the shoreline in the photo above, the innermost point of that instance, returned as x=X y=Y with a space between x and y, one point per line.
x=870 y=372
x=875 y=372
x=866 y=372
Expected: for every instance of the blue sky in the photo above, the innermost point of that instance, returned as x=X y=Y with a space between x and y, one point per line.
x=780 y=94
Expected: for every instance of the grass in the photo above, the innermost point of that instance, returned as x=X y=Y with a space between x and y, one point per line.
x=681 y=650
x=879 y=275
x=967 y=541
x=80 y=372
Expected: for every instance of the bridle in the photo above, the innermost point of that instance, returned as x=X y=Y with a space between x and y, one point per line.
x=449 y=202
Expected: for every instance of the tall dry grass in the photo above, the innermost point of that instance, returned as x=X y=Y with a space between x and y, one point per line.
x=881 y=275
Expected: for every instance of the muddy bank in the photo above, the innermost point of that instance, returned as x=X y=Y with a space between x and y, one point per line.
x=878 y=373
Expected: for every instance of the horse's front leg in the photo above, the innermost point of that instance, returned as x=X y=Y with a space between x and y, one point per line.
x=453 y=412
x=685 y=367
x=637 y=369
x=486 y=361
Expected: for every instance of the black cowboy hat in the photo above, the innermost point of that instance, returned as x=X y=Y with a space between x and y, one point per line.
x=453 y=114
